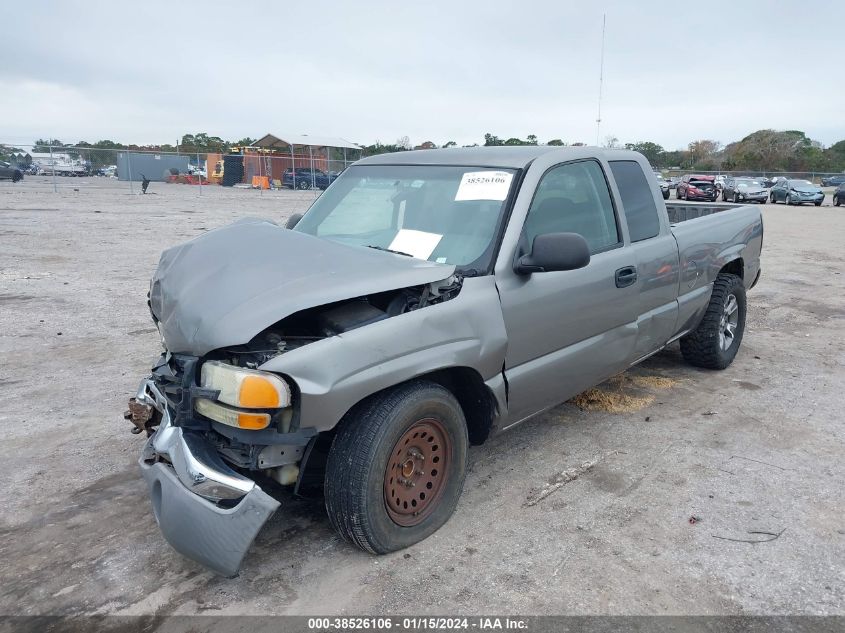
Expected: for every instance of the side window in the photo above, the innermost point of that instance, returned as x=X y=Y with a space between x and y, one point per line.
x=574 y=198
x=640 y=210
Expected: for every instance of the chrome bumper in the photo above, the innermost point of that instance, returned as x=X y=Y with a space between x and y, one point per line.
x=187 y=479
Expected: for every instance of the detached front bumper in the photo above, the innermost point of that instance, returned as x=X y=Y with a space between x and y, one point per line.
x=206 y=511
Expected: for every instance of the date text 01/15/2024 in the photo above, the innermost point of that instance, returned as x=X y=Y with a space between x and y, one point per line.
x=423 y=623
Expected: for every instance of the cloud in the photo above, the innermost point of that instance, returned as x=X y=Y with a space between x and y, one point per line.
x=436 y=71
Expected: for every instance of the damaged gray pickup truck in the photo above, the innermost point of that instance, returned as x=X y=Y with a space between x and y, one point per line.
x=426 y=300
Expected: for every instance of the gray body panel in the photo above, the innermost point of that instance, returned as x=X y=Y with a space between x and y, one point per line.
x=335 y=373
x=705 y=245
x=224 y=287
x=203 y=531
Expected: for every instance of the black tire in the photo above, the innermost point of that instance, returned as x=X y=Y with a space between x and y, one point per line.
x=736 y=198
x=703 y=346
x=818 y=204
x=303 y=184
x=355 y=486
x=788 y=200
x=17 y=176
x=835 y=201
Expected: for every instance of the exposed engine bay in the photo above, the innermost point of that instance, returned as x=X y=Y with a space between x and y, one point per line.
x=314 y=324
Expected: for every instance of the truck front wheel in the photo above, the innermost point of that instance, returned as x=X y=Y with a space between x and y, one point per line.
x=396 y=467
x=716 y=340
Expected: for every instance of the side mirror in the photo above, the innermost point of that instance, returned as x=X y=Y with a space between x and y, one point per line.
x=293 y=220
x=552 y=252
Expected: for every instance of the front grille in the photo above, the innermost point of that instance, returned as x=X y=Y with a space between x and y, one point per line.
x=176 y=377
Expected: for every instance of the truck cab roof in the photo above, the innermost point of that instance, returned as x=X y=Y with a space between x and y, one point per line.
x=513 y=157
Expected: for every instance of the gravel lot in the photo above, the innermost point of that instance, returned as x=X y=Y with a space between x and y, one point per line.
x=758 y=447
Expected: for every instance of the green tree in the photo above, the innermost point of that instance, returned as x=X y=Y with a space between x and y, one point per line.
x=450 y=144
x=490 y=140
x=654 y=153
x=556 y=142
x=42 y=145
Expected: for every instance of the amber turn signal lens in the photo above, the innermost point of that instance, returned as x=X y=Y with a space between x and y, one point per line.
x=258 y=393
x=253 y=421
x=232 y=416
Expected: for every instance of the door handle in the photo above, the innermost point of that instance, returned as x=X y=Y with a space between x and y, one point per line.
x=626 y=276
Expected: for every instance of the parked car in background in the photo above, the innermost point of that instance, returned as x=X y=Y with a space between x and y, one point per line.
x=696 y=187
x=744 y=190
x=839 y=195
x=10 y=172
x=833 y=181
x=796 y=192
x=719 y=181
x=306 y=178
x=664 y=184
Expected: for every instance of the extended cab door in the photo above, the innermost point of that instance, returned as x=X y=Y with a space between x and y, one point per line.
x=572 y=329
x=655 y=253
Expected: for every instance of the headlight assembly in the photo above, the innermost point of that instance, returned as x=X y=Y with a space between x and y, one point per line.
x=241 y=392
x=246 y=388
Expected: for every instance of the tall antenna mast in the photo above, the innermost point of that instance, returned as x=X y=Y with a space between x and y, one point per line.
x=601 y=77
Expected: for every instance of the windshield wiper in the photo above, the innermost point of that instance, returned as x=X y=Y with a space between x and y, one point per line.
x=469 y=272
x=388 y=250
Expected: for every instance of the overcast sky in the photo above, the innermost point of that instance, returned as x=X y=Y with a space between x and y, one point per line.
x=147 y=72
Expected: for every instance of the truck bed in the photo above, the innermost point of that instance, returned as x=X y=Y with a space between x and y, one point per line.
x=683 y=211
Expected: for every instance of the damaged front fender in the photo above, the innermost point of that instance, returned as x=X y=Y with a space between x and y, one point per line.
x=335 y=373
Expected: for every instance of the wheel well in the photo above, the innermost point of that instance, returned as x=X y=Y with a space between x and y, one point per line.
x=734 y=267
x=477 y=403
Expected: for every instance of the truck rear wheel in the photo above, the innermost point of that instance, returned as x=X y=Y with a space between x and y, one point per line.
x=716 y=340
x=396 y=467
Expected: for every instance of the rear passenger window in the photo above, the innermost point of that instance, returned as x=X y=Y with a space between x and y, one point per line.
x=574 y=198
x=640 y=210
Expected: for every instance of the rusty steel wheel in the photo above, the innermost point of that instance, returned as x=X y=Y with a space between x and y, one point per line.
x=396 y=467
x=417 y=472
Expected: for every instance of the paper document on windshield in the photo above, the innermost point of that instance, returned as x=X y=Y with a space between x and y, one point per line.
x=417 y=244
x=484 y=185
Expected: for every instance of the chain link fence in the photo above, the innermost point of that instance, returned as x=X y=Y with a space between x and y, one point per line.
x=43 y=167
x=304 y=168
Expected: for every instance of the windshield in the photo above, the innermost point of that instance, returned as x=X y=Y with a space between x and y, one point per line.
x=748 y=183
x=801 y=184
x=445 y=214
x=701 y=183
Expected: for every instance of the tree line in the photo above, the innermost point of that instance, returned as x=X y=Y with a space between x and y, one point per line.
x=763 y=150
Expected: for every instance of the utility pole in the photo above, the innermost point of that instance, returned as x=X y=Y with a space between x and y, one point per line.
x=601 y=78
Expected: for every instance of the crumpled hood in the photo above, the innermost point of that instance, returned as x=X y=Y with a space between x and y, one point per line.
x=227 y=285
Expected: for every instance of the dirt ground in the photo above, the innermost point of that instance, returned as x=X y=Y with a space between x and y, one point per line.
x=579 y=511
